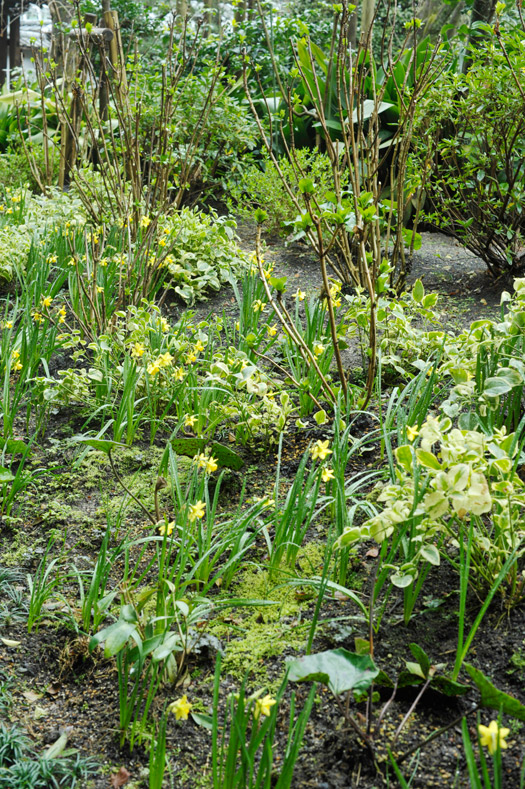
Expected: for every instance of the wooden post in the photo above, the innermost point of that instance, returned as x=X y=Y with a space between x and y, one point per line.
x=116 y=53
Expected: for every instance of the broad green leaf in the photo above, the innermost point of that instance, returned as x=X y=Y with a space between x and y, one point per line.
x=5 y=475
x=401 y=580
x=493 y=698
x=404 y=457
x=203 y=720
x=339 y=669
x=428 y=459
x=225 y=457
x=115 y=637
x=100 y=444
x=418 y=291
x=12 y=446
x=421 y=657
x=431 y=554
x=415 y=668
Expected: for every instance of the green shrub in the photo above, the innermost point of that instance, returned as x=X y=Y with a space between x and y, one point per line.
x=263 y=188
x=471 y=144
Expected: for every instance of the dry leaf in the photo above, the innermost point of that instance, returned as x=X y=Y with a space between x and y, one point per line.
x=8 y=643
x=120 y=778
x=31 y=696
x=373 y=553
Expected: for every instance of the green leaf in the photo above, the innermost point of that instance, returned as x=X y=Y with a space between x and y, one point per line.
x=418 y=291
x=431 y=554
x=100 y=444
x=279 y=283
x=421 y=657
x=493 y=698
x=428 y=460
x=5 y=475
x=203 y=720
x=401 y=581
x=116 y=637
x=339 y=669
x=226 y=457
x=13 y=447
x=415 y=668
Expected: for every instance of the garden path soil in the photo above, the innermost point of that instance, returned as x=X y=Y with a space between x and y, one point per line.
x=56 y=685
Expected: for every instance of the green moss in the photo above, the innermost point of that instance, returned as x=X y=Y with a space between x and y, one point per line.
x=260 y=633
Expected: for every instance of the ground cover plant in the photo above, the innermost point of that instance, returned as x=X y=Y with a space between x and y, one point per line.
x=262 y=505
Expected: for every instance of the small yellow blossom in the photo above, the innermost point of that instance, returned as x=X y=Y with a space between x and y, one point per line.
x=191 y=357
x=412 y=433
x=166 y=529
x=52 y=259
x=145 y=221
x=271 y=331
x=237 y=326
x=327 y=474
x=300 y=294
x=100 y=289
x=181 y=708
x=196 y=511
x=165 y=359
x=162 y=242
x=209 y=464
x=258 y=305
x=178 y=373
x=47 y=301
x=137 y=350
x=319 y=348
x=493 y=736
x=263 y=706
x=8 y=325
x=198 y=347
x=153 y=368
x=320 y=450
x=190 y=420
x=164 y=325
x=38 y=317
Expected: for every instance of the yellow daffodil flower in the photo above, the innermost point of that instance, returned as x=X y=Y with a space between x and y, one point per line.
x=271 y=331
x=318 y=348
x=492 y=736
x=412 y=433
x=137 y=350
x=165 y=359
x=145 y=221
x=320 y=450
x=178 y=374
x=181 y=708
x=197 y=511
x=327 y=474
x=153 y=368
x=190 y=420
x=258 y=305
x=263 y=706
x=47 y=301
x=166 y=529
x=300 y=294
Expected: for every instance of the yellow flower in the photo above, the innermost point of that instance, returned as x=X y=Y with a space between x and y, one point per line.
x=258 y=305
x=263 y=706
x=137 y=350
x=412 y=433
x=198 y=346
x=318 y=348
x=300 y=294
x=8 y=325
x=47 y=301
x=181 y=708
x=37 y=317
x=100 y=289
x=178 y=373
x=164 y=325
x=145 y=221
x=189 y=421
x=165 y=359
x=166 y=529
x=191 y=357
x=209 y=464
x=197 y=510
x=492 y=736
x=320 y=450
x=52 y=259
x=153 y=368
x=271 y=331
x=327 y=474
x=162 y=243
x=237 y=326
